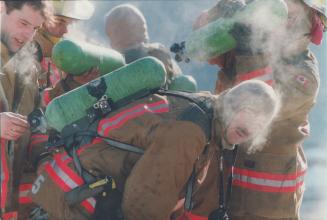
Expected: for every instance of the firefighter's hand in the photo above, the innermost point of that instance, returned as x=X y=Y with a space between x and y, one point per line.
x=92 y=74
x=12 y=125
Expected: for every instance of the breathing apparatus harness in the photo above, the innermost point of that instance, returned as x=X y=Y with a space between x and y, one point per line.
x=84 y=131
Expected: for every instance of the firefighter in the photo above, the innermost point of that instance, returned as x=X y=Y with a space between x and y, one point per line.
x=269 y=184
x=19 y=21
x=52 y=31
x=127 y=30
x=148 y=149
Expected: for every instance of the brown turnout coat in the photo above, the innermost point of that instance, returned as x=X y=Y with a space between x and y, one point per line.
x=152 y=184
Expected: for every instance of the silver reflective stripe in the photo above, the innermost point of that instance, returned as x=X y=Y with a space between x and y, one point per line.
x=92 y=201
x=268 y=182
x=63 y=176
x=23 y=193
x=66 y=157
x=71 y=183
x=135 y=111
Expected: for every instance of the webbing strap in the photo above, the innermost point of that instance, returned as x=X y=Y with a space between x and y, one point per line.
x=230 y=178
x=188 y=205
x=123 y=146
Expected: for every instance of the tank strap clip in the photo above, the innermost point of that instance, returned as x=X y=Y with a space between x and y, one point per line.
x=102 y=104
x=102 y=107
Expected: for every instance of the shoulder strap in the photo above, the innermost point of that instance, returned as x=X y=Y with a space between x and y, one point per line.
x=199 y=112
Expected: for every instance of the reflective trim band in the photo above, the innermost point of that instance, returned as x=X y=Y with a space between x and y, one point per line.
x=10 y=215
x=67 y=180
x=23 y=193
x=4 y=178
x=191 y=216
x=108 y=124
x=264 y=74
x=268 y=182
x=46 y=97
x=66 y=171
x=36 y=139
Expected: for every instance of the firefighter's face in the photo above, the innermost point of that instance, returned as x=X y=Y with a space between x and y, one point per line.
x=19 y=26
x=245 y=125
x=59 y=26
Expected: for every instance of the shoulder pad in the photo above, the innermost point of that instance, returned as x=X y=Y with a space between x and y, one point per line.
x=196 y=115
x=199 y=112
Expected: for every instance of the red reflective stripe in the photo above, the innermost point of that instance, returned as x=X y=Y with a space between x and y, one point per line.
x=191 y=216
x=97 y=140
x=75 y=177
x=267 y=188
x=270 y=176
x=104 y=121
x=24 y=187
x=89 y=208
x=126 y=116
x=49 y=169
x=269 y=82
x=10 y=215
x=4 y=182
x=46 y=97
x=79 y=151
x=254 y=74
x=25 y=200
x=23 y=191
x=52 y=173
x=36 y=139
x=38 y=136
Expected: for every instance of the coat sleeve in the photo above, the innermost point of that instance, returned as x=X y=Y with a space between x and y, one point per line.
x=158 y=178
x=63 y=86
x=297 y=84
x=36 y=147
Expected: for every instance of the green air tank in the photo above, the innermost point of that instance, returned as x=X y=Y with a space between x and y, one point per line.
x=185 y=83
x=77 y=57
x=215 y=38
x=144 y=74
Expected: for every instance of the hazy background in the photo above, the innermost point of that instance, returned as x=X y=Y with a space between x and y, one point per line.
x=171 y=21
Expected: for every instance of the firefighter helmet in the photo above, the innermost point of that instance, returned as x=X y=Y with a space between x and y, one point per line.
x=320 y=6
x=81 y=10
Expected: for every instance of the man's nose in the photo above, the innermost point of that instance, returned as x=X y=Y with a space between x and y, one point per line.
x=64 y=29
x=28 y=33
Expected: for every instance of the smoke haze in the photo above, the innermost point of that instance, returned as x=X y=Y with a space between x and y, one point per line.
x=170 y=22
